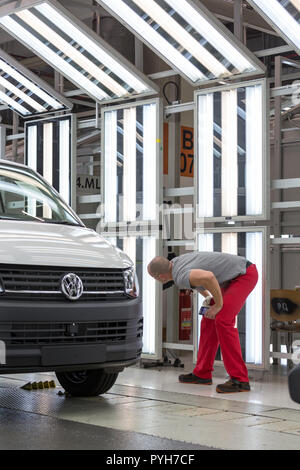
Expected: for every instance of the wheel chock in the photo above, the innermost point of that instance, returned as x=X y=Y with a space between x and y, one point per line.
x=27 y=386
x=39 y=385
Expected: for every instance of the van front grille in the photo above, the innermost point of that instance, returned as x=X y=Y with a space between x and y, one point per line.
x=40 y=283
x=109 y=332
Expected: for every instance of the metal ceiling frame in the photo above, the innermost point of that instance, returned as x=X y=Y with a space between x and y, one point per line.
x=19 y=5
x=211 y=18
x=274 y=26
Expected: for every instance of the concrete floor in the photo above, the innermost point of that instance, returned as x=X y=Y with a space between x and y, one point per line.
x=149 y=409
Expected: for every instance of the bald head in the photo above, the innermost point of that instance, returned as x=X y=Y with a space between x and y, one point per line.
x=161 y=269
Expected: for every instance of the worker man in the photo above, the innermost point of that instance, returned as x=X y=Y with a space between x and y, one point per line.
x=229 y=279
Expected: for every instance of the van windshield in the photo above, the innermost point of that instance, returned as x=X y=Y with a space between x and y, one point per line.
x=24 y=196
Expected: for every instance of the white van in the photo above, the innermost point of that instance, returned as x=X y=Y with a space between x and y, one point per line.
x=69 y=300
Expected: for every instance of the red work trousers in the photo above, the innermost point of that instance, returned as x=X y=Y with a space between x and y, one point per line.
x=222 y=331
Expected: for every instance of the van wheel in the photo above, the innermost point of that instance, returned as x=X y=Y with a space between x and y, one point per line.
x=86 y=383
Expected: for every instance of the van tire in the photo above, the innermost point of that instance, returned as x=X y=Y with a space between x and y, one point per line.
x=86 y=383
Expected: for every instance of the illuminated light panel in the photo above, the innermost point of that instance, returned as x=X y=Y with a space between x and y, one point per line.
x=24 y=92
x=74 y=50
x=284 y=17
x=254 y=303
x=206 y=155
x=110 y=166
x=187 y=36
x=48 y=151
x=129 y=176
x=149 y=295
x=231 y=152
x=141 y=251
x=252 y=244
x=130 y=153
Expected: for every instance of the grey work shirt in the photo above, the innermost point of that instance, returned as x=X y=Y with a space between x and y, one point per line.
x=224 y=266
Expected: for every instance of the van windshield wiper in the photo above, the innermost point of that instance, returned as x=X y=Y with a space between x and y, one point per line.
x=62 y=222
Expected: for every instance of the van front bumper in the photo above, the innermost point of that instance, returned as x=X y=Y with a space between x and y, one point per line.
x=46 y=336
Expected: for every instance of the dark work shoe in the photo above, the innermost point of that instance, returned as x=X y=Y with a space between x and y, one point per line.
x=193 y=379
x=233 y=386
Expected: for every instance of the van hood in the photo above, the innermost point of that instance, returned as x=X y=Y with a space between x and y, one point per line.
x=38 y=244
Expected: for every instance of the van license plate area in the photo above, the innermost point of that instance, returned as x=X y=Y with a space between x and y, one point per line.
x=73 y=355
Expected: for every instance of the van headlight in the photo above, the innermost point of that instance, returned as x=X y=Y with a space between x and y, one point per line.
x=131 y=283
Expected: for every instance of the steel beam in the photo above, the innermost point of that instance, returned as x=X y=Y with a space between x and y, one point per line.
x=277 y=164
x=238 y=20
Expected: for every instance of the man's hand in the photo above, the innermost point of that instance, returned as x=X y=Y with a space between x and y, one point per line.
x=213 y=312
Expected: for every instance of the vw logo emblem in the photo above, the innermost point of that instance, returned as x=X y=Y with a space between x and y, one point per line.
x=71 y=286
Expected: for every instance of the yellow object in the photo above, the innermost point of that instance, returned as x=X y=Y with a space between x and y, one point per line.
x=39 y=385
x=27 y=386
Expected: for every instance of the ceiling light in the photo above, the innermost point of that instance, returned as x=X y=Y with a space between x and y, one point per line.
x=187 y=36
x=70 y=47
x=283 y=15
x=24 y=92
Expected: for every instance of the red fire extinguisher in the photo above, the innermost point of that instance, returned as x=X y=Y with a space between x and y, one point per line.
x=185 y=315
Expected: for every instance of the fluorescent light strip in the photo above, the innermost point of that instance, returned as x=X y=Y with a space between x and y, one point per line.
x=129 y=247
x=48 y=152
x=230 y=243
x=32 y=161
x=149 y=297
x=29 y=84
x=71 y=52
x=296 y=4
x=206 y=155
x=182 y=37
x=41 y=49
x=211 y=34
x=13 y=104
x=64 y=160
x=229 y=154
x=129 y=175
x=110 y=166
x=93 y=48
x=154 y=39
x=16 y=91
x=281 y=18
x=32 y=147
x=254 y=150
x=254 y=303
x=149 y=161
x=48 y=161
x=205 y=243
